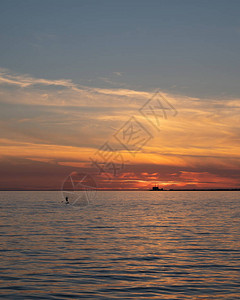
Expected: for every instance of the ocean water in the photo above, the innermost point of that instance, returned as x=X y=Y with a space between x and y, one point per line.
x=125 y=245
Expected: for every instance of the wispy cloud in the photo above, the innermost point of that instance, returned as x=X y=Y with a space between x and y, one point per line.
x=10 y=78
x=118 y=73
x=59 y=120
x=62 y=92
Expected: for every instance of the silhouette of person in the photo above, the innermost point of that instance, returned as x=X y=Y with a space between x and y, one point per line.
x=67 y=202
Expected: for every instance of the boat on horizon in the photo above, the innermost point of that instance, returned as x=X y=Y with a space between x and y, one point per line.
x=156 y=188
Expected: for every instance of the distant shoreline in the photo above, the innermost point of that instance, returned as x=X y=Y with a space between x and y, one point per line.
x=125 y=190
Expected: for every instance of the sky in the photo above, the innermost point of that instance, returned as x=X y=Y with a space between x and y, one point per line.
x=128 y=93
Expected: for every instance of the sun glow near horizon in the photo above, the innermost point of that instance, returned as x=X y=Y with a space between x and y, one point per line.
x=198 y=147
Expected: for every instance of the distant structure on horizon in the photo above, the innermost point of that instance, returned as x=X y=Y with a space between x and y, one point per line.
x=156 y=188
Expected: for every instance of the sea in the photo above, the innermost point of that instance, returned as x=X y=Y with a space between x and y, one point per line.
x=120 y=245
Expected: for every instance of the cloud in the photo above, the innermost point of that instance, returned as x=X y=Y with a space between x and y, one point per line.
x=59 y=121
x=7 y=77
x=117 y=73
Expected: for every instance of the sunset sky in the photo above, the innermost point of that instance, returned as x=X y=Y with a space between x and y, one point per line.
x=82 y=84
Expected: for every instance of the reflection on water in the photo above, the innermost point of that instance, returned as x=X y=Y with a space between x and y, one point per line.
x=127 y=245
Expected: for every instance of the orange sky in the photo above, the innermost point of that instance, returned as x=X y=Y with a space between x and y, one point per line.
x=50 y=131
